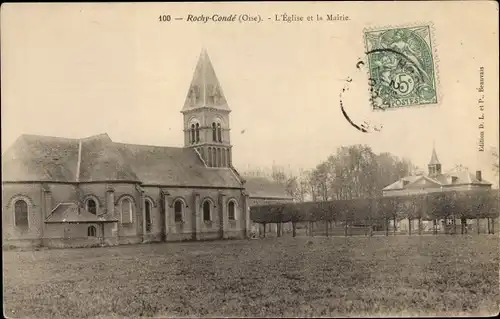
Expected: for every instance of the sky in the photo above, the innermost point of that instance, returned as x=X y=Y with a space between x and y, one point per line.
x=76 y=70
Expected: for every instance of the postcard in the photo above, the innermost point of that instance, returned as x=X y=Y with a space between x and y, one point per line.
x=250 y=159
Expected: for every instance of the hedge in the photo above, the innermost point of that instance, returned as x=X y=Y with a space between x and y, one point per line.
x=460 y=205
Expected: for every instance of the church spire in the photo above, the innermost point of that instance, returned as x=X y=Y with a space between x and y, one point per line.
x=434 y=158
x=434 y=165
x=205 y=89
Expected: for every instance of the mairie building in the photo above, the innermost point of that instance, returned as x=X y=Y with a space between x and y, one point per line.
x=436 y=181
x=66 y=192
x=457 y=179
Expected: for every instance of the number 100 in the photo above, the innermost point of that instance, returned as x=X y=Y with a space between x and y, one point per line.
x=164 y=18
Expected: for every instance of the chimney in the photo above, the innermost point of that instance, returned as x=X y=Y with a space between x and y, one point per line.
x=478 y=176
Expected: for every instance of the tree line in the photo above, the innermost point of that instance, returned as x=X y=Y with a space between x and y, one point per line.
x=352 y=172
x=347 y=187
x=373 y=211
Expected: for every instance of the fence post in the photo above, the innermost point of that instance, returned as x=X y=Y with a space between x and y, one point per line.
x=386 y=222
x=477 y=224
x=409 y=226
x=455 y=221
x=394 y=228
x=102 y=233
x=420 y=225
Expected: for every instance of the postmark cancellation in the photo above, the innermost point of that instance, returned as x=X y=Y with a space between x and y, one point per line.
x=402 y=67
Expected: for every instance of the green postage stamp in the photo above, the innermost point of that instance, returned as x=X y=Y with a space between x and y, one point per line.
x=401 y=67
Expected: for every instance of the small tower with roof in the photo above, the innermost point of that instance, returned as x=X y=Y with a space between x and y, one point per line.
x=434 y=165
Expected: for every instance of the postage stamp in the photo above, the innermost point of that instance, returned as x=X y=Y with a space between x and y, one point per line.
x=401 y=67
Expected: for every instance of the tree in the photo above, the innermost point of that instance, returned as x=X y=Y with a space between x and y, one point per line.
x=390 y=169
x=319 y=181
x=303 y=188
x=355 y=172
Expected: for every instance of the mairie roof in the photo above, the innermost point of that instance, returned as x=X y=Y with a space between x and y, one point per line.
x=455 y=177
x=98 y=158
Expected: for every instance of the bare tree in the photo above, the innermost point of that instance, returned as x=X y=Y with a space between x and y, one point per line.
x=356 y=172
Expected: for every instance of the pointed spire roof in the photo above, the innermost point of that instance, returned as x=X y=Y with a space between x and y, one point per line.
x=434 y=158
x=205 y=89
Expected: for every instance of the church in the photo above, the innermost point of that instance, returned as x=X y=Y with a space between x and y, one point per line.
x=65 y=192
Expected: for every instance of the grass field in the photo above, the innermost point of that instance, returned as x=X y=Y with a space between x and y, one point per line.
x=353 y=276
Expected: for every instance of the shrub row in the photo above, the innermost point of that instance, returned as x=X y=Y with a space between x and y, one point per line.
x=433 y=206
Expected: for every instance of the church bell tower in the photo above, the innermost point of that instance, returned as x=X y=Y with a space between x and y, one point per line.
x=206 y=116
x=434 y=165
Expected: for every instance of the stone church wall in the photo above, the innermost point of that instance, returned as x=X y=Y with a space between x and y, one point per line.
x=43 y=199
x=192 y=217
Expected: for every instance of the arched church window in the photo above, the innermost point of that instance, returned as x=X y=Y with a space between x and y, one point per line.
x=206 y=211
x=219 y=132
x=126 y=211
x=178 y=210
x=224 y=160
x=197 y=132
x=92 y=206
x=192 y=134
x=219 y=158
x=21 y=214
x=214 y=132
x=231 y=211
x=147 y=208
x=91 y=231
x=214 y=157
